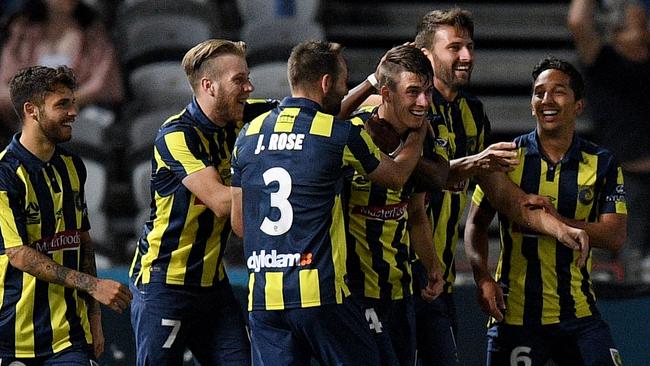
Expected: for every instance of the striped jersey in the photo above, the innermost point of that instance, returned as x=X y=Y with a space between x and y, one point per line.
x=290 y=164
x=43 y=206
x=377 y=233
x=467 y=132
x=183 y=241
x=539 y=274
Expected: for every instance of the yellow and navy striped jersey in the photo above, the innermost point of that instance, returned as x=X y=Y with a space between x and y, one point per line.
x=183 y=241
x=539 y=274
x=376 y=228
x=290 y=164
x=43 y=206
x=467 y=132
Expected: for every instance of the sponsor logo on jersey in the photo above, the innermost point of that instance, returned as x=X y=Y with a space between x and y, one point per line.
x=384 y=213
x=65 y=240
x=619 y=196
x=274 y=260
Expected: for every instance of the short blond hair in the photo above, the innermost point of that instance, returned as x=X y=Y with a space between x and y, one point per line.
x=196 y=60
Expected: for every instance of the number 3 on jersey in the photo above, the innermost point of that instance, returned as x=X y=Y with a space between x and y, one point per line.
x=279 y=201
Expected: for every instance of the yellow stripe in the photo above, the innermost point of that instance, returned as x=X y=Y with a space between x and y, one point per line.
x=4 y=263
x=33 y=231
x=546 y=250
x=273 y=291
x=256 y=124
x=24 y=319
x=517 y=275
x=251 y=285
x=178 y=260
x=211 y=254
x=174 y=117
x=74 y=183
x=322 y=125
x=10 y=236
x=356 y=121
x=179 y=151
x=339 y=251
x=621 y=207
x=58 y=322
x=163 y=209
x=309 y=288
x=286 y=119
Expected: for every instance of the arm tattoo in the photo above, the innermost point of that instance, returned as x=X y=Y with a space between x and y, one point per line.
x=39 y=265
x=89 y=266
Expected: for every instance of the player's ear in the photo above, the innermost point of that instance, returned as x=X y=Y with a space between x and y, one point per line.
x=326 y=83
x=385 y=93
x=580 y=106
x=30 y=109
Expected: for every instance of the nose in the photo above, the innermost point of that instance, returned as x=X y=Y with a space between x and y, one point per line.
x=466 y=54
x=423 y=99
x=248 y=87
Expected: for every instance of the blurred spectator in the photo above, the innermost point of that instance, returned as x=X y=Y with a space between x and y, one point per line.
x=613 y=43
x=59 y=32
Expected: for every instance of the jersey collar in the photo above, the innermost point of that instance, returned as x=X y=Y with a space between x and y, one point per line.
x=29 y=160
x=300 y=102
x=200 y=118
x=531 y=143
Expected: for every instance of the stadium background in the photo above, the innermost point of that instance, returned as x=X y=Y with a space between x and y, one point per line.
x=151 y=37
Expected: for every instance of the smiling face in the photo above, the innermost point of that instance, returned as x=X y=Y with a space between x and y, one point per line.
x=406 y=106
x=56 y=115
x=452 y=58
x=554 y=104
x=229 y=89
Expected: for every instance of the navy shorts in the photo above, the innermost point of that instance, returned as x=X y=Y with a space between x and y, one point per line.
x=334 y=334
x=392 y=323
x=73 y=356
x=435 y=324
x=585 y=341
x=167 y=319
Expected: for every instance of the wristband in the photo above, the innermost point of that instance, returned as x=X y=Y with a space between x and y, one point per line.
x=372 y=79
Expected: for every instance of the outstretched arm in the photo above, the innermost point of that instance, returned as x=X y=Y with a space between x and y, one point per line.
x=507 y=198
x=498 y=157
x=108 y=292
x=489 y=293
x=422 y=242
x=582 y=24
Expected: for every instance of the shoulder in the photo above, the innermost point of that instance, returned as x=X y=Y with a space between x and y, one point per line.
x=255 y=107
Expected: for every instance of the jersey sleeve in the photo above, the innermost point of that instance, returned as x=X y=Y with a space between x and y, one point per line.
x=181 y=151
x=612 y=197
x=360 y=152
x=12 y=218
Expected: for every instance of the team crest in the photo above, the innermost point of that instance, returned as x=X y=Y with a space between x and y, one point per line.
x=616 y=357
x=585 y=194
x=33 y=213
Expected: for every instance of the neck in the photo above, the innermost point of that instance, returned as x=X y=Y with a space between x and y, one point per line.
x=445 y=90
x=314 y=96
x=210 y=111
x=387 y=114
x=555 y=145
x=37 y=144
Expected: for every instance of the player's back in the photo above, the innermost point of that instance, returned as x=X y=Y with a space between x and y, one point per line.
x=289 y=163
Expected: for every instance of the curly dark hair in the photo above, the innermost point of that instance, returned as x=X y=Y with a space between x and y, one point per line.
x=32 y=84
x=551 y=62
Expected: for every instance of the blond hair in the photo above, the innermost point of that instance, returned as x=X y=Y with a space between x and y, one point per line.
x=196 y=61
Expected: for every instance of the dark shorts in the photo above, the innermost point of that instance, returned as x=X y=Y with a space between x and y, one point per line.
x=167 y=319
x=585 y=341
x=392 y=323
x=435 y=324
x=334 y=334
x=73 y=356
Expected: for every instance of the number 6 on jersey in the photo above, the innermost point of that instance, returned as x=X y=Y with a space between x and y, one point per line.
x=279 y=201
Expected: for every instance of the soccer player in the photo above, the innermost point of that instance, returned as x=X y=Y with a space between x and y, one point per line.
x=383 y=224
x=50 y=293
x=288 y=167
x=545 y=304
x=182 y=296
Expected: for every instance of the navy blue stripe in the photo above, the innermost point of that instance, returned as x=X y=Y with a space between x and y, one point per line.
x=533 y=287
x=194 y=270
x=452 y=226
x=401 y=258
x=45 y=203
x=13 y=286
x=69 y=210
x=171 y=236
x=41 y=318
x=568 y=191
